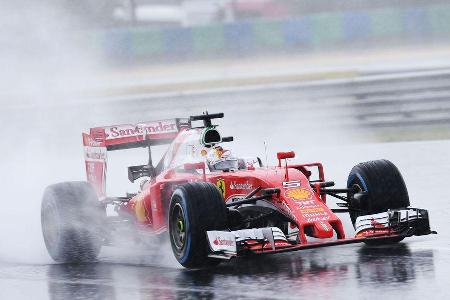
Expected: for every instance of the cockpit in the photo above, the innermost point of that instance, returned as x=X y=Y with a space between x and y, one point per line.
x=205 y=145
x=193 y=145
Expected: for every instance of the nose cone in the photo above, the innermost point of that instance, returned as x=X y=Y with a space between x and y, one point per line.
x=322 y=230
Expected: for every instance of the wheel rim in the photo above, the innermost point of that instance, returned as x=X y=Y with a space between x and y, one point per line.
x=356 y=214
x=178 y=228
x=360 y=189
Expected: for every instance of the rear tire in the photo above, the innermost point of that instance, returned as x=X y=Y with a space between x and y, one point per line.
x=72 y=219
x=195 y=208
x=385 y=189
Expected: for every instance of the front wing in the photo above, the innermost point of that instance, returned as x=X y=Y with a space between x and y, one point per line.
x=393 y=224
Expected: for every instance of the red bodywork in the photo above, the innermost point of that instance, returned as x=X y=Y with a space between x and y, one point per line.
x=303 y=204
x=299 y=197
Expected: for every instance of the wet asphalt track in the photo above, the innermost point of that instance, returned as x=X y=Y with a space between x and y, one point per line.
x=409 y=270
x=405 y=271
x=414 y=269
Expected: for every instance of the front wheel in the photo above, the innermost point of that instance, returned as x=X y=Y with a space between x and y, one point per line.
x=384 y=187
x=195 y=208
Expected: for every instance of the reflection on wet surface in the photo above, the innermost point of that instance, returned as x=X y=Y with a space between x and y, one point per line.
x=80 y=281
x=338 y=273
x=392 y=265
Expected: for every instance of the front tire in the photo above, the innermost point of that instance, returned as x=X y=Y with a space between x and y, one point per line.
x=71 y=219
x=384 y=187
x=195 y=208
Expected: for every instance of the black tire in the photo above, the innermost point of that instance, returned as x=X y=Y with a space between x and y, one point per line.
x=72 y=218
x=385 y=189
x=195 y=208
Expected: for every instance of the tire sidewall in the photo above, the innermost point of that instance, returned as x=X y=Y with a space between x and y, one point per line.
x=52 y=243
x=203 y=210
x=356 y=178
x=179 y=197
x=384 y=185
x=73 y=210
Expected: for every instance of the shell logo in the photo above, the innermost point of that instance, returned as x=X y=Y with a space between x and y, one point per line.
x=298 y=194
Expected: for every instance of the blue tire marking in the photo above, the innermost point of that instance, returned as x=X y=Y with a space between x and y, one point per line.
x=188 y=231
x=363 y=182
x=350 y=179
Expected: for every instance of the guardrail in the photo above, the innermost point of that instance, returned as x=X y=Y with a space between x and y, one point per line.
x=316 y=31
x=400 y=100
x=409 y=102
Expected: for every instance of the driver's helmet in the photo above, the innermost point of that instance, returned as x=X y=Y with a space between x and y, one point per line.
x=221 y=160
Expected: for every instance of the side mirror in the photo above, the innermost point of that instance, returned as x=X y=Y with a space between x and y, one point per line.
x=227 y=139
x=284 y=155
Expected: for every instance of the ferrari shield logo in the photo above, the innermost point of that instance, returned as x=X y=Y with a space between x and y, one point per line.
x=221 y=186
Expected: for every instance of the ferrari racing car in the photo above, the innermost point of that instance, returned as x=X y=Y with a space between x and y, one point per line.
x=214 y=206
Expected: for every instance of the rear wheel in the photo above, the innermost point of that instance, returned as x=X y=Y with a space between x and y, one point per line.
x=195 y=208
x=71 y=219
x=384 y=187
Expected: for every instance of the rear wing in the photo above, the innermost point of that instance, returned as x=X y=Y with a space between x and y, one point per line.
x=125 y=136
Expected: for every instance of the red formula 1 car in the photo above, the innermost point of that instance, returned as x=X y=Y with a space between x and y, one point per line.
x=216 y=206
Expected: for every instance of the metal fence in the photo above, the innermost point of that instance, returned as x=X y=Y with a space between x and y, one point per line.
x=407 y=99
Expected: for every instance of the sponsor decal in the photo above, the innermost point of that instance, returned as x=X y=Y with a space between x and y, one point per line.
x=376 y=224
x=95 y=153
x=369 y=232
x=315 y=214
x=149 y=128
x=95 y=173
x=311 y=210
x=324 y=226
x=222 y=242
x=298 y=194
x=303 y=206
x=90 y=142
x=291 y=184
x=307 y=204
x=316 y=219
x=241 y=186
x=221 y=186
